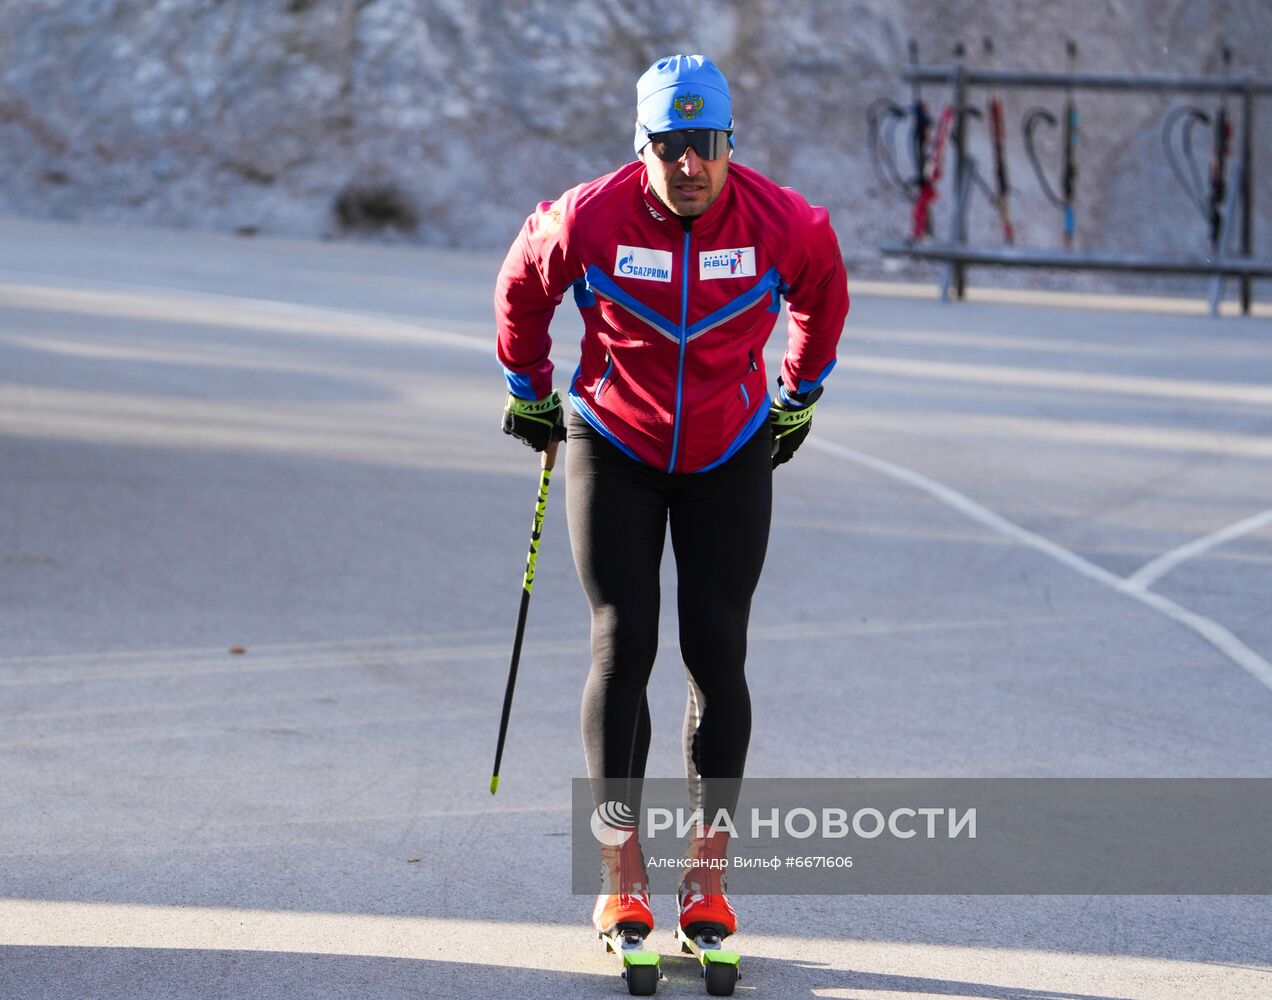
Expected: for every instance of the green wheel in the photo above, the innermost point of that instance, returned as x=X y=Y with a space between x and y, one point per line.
x=642 y=980
x=721 y=978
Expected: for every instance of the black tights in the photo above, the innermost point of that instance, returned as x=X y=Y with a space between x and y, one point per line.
x=618 y=514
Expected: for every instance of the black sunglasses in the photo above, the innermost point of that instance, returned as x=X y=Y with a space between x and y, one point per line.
x=708 y=143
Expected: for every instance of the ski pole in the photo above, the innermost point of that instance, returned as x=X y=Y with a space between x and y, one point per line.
x=920 y=126
x=1068 y=183
x=1209 y=198
x=998 y=133
x=921 y=222
x=1222 y=144
x=527 y=583
x=927 y=157
x=1069 y=174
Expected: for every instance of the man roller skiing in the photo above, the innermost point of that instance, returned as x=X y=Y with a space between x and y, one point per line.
x=678 y=263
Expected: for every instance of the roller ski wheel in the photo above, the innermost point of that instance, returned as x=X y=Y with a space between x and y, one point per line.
x=720 y=972
x=641 y=971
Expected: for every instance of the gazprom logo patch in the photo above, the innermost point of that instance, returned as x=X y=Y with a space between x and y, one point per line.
x=736 y=263
x=643 y=262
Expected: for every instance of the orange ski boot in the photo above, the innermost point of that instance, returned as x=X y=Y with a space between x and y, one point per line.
x=704 y=904
x=624 y=900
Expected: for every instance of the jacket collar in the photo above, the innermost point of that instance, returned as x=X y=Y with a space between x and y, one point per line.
x=704 y=225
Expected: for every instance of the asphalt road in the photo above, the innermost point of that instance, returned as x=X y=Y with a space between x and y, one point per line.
x=1025 y=540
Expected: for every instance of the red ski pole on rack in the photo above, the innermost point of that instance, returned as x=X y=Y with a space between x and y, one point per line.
x=998 y=134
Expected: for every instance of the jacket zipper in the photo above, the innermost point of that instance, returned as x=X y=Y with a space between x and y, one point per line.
x=609 y=368
x=750 y=370
x=684 y=340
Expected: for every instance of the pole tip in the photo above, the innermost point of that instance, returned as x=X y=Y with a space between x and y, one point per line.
x=494 y=783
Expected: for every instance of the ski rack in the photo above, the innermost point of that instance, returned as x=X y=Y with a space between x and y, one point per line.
x=958 y=255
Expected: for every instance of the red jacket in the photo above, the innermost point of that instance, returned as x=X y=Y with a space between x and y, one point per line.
x=672 y=366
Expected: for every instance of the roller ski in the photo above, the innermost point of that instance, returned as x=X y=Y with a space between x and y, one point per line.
x=707 y=917
x=623 y=919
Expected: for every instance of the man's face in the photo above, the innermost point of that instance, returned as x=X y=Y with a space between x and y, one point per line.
x=689 y=185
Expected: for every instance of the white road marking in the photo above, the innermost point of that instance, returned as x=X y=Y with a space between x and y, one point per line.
x=123 y=300
x=1151 y=572
x=1226 y=393
x=1207 y=628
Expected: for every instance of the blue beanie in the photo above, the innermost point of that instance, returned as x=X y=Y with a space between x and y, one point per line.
x=680 y=92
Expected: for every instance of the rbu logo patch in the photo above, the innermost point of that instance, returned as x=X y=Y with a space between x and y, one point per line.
x=643 y=262
x=738 y=263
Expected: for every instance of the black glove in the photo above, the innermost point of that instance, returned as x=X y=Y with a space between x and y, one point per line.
x=534 y=421
x=790 y=418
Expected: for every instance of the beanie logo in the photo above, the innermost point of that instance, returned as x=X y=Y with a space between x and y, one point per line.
x=688 y=106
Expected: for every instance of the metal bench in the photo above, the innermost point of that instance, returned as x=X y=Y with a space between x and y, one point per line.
x=963 y=255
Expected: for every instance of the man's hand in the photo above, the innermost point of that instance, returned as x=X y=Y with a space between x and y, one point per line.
x=534 y=421
x=790 y=418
